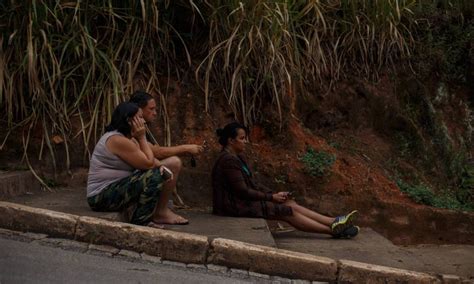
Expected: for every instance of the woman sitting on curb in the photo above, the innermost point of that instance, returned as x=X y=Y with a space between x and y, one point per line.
x=123 y=171
x=235 y=193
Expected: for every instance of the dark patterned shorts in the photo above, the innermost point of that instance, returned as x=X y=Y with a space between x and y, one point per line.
x=142 y=188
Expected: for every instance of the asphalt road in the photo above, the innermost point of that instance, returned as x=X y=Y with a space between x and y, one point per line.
x=34 y=262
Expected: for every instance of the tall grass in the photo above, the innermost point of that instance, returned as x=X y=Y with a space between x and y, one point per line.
x=265 y=51
x=64 y=62
x=69 y=62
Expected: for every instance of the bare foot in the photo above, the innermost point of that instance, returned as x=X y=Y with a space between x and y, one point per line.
x=171 y=218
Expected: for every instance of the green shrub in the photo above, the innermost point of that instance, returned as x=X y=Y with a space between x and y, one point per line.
x=422 y=194
x=317 y=163
x=465 y=192
x=444 y=34
x=419 y=193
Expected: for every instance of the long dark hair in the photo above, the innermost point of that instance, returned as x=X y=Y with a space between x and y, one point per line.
x=229 y=131
x=120 y=117
x=140 y=98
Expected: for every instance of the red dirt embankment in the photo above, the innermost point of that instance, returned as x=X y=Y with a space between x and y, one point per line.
x=358 y=182
x=358 y=115
x=358 y=179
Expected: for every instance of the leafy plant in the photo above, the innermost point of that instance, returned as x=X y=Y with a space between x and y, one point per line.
x=444 y=38
x=465 y=192
x=283 y=179
x=51 y=182
x=422 y=194
x=317 y=163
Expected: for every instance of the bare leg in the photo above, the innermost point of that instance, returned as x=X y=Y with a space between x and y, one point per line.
x=163 y=215
x=175 y=165
x=306 y=224
x=309 y=213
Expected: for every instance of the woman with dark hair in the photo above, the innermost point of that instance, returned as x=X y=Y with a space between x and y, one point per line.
x=123 y=171
x=236 y=194
x=169 y=156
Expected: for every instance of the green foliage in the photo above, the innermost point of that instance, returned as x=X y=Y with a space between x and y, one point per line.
x=422 y=194
x=69 y=62
x=282 y=179
x=444 y=33
x=424 y=139
x=466 y=189
x=72 y=62
x=406 y=145
x=265 y=51
x=335 y=144
x=317 y=163
x=51 y=182
x=419 y=193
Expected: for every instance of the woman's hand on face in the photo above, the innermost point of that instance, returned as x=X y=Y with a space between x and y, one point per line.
x=280 y=197
x=138 y=127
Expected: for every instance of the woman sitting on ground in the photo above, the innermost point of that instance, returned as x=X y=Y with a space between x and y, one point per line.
x=235 y=193
x=123 y=171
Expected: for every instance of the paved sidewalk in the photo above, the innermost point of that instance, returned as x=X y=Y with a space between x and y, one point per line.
x=368 y=247
x=73 y=201
x=371 y=247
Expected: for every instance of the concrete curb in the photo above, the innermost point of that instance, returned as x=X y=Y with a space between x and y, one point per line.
x=357 y=272
x=271 y=261
x=29 y=219
x=189 y=248
x=169 y=245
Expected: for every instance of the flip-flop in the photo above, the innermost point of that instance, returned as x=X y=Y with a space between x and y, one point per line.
x=155 y=225
x=181 y=223
x=175 y=223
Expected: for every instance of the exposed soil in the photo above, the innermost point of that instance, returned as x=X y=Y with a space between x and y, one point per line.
x=355 y=123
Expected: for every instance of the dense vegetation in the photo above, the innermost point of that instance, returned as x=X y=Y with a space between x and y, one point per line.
x=63 y=63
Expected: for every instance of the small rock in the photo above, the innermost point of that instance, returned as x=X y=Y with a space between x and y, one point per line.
x=239 y=273
x=196 y=267
x=109 y=250
x=280 y=280
x=300 y=281
x=129 y=253
x=258 y=275
x=151 y=258
x=73 y=245
x=174 y=263
x=217 y=268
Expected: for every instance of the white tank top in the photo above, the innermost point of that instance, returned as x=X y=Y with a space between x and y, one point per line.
x=105 y=168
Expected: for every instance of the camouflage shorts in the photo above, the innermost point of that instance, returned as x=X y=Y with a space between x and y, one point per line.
x=142 y=188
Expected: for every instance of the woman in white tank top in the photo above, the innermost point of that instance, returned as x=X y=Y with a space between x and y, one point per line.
x=123 y=172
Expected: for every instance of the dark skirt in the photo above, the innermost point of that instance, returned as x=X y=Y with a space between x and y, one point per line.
x=254 y=209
